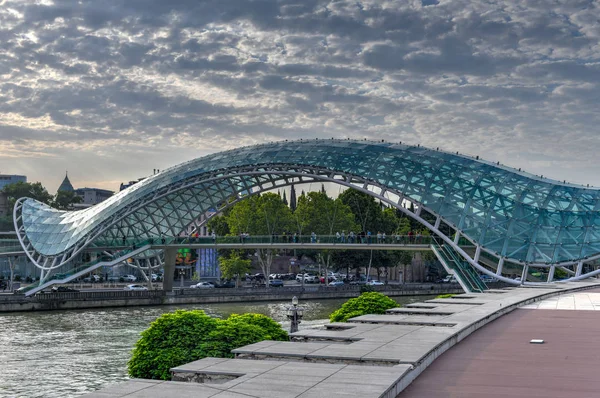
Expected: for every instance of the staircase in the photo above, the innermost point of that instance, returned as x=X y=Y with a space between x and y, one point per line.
x=86 y=268
x=454 y=264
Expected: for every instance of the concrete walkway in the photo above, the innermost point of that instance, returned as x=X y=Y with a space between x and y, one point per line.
x=370 y=356
x=498 y=360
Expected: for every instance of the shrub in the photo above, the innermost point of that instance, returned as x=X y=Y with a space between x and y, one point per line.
x=230 y=335
x=366 y=303
x=185 y=336
x=272 y=329
x=171 y=340
x=448 y=295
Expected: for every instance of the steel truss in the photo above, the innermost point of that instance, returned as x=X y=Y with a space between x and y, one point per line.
x=173 y=209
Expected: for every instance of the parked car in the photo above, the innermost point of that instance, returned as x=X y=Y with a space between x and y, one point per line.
x=63 y=289
x=225 y=285
x=156 y=278
x=307 y=278
x=129 y=278
x=257 y=277
x=203 y=285
x=92 y=279
x=449 y=279
x=487 y=278
x=276 y=283
x=375 y=283
x=113 y=278
x=336 y=283
x=135 y=287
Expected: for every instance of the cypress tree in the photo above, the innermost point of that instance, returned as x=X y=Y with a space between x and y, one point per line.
x=293 y=203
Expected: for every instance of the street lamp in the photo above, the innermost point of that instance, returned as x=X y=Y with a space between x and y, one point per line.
x=294 y=314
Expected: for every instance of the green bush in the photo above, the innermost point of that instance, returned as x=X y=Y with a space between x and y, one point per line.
x=448 y=295
x=186 y=336
x=171 y=340
x=230 y=335
x=366 y=303
x=272 y=328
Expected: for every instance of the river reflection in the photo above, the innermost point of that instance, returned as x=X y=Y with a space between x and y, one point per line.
x=70 y=353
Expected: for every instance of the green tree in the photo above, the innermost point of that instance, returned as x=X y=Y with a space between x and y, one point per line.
x=366 y=303
x=389 y=221
x=318 y=213
x=64 y=200
x=21 y=189
x=234 y=267
x=403 y=227
x=366 y=211
x=219 y=225
x=264 y=215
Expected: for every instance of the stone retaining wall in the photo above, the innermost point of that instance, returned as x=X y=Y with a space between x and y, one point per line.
x=103 y=299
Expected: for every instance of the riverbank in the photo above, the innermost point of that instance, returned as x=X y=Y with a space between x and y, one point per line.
x=64 y=354
x=122 y=298
x=388 y=350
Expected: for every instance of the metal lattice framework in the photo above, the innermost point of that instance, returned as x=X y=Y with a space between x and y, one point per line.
x=507 y=214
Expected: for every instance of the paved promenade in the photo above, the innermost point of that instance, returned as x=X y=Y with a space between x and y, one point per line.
x=370 y=356
x=498 y=360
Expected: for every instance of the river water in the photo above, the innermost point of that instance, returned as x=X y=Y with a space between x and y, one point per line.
x=70 y=353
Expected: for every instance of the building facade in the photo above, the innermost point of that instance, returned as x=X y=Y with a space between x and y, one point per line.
x=93 y=196
x=6 y=179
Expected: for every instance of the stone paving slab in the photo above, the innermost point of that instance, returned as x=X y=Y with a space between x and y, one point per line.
x=586 y=301
x=451 y=301
x=418 y=311
x=402 y=320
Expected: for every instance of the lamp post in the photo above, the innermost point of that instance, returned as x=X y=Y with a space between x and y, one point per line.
x=294 y=314
x=181 y=274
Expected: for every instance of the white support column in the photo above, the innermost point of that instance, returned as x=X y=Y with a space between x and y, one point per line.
x=500 y=266
x=579 y=268
x=418 y=212
x=524 y=274
x=438 y=220
x=457 y=237
x=551 y=273
x=477 y=254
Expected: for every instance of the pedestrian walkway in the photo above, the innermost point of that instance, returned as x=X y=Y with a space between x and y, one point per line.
x=588 y=300
x=369 y=356
x=498 y=360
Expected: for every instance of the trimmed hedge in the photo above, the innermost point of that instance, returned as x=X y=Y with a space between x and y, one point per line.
x=448 y=295
x=185 y=336
x=366 y=303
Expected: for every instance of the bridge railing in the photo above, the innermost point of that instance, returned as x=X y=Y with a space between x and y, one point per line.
x=102 y=295
x=273 y=239
x=10 y=245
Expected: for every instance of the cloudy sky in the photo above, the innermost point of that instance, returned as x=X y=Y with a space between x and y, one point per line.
x=110 y=90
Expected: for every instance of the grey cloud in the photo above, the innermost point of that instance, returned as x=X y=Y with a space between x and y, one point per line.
x=502 y=74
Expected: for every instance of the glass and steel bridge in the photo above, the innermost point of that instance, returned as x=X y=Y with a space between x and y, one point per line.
x=509 y=217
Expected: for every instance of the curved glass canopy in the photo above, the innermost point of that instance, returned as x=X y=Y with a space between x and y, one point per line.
x=509 y=213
